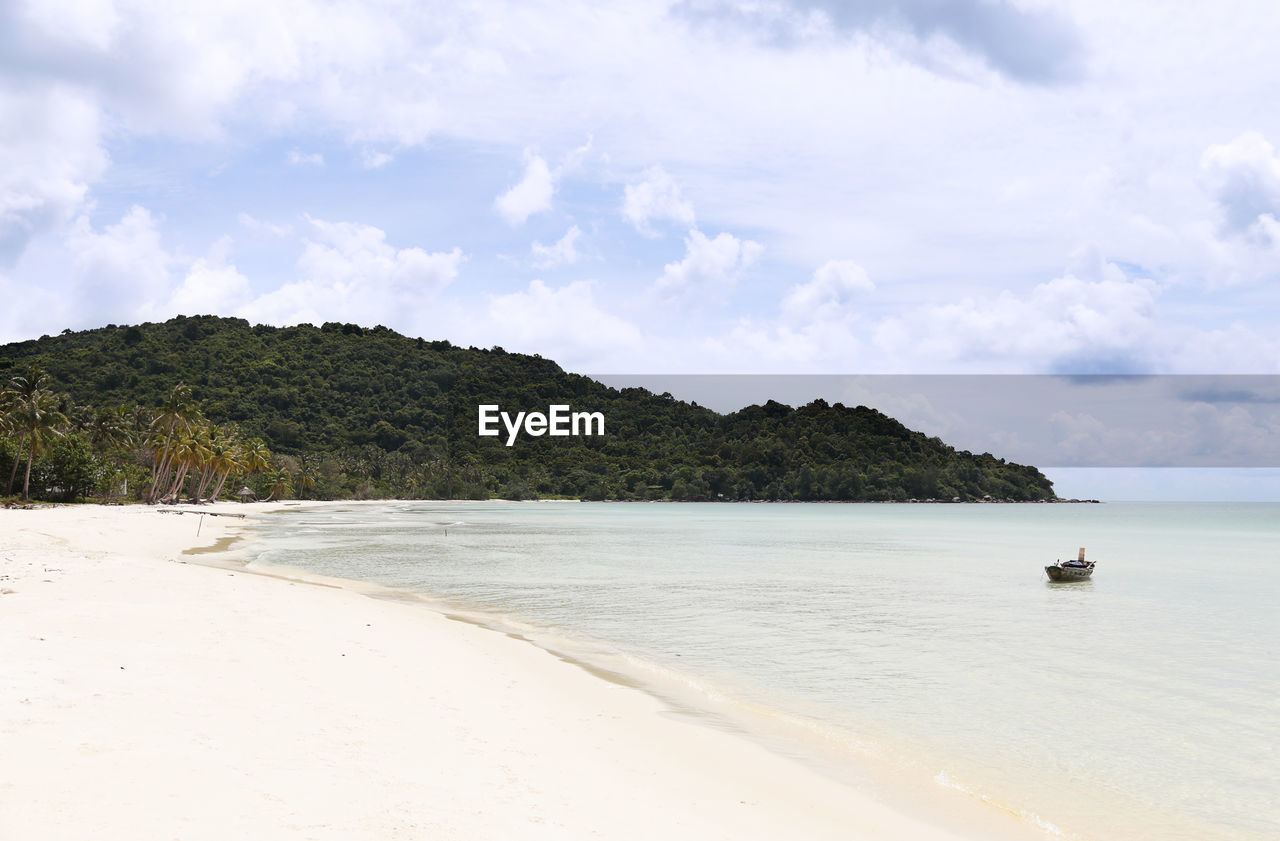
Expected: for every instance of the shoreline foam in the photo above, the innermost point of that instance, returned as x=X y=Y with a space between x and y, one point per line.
x=148 y=695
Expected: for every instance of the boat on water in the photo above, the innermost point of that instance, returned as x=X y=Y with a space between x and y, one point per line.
x=1077 y=570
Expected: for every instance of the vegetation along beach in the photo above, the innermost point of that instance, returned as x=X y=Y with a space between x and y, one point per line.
x=340 y=411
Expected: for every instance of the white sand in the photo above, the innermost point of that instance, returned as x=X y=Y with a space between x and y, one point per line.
x=145 y=698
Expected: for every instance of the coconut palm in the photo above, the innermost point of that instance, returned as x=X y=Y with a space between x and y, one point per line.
x=224 y=456
x=33 y=414
x=256 y=456
x=38 y=420
x=281 y=484
x=140 y=420
x=111 y=427
x=174 y=418
x=21 y=388
x=79 y=418
x=233 y=463
x=308 y=470
x=6 y=428
x=190 y=451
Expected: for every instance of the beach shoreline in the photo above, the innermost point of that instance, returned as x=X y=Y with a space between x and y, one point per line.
x=149 y=692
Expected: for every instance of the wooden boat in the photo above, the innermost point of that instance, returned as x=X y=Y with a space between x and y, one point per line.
x=1077 y=570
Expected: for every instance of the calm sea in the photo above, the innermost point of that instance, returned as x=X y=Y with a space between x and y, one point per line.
x=915 y=649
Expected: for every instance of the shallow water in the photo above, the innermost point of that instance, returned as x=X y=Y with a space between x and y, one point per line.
x=1144 y=703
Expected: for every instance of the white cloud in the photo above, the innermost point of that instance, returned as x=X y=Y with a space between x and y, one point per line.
x=190 y=70
x=828 y=296
x=350 y=254
x=563 y=252
x=1186 y=434
x=122 y=268
x=575 y=160
x=50 y=152
x=531 y=195
x=1082 y=322
x=565 y=323
x=656 y=198
x=956 y=236
x=752 y=344
x=125 y=273
x=815 y=323
x=211 y=286
x=76 y=23
x=373 y=159
x=718 y=260
x=351 y=273
x=263 y=227
x=1033 y=45
x=297 y=157
x=1244 y=178
x=1236 y=348
x=1069 y=324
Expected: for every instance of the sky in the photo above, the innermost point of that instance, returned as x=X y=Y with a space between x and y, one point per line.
x=660 y=186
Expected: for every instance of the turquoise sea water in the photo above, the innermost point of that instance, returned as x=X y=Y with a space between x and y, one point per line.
x=920 y=644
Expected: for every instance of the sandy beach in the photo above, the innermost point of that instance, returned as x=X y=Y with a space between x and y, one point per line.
x=145 y=694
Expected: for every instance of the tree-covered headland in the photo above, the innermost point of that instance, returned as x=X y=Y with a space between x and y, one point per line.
x=199 y=407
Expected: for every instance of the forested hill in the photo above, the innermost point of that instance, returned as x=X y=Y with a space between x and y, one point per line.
x=350 y=411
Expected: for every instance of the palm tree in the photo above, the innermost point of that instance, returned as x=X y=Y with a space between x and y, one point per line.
x=111 y=427
x=33 y=413
x=256 y=456
x=38 y=419
x=191 y=451
x=307 y=472
x=280 y=485
x=21 y=389
x=79 y=418
x=223 y=458
x=176 y=416
x=6 y=427
x=140 y=419
x=233 y=462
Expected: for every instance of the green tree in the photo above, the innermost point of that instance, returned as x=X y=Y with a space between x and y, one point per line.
x=369 y=411
x=281 y=484
x=34 y=414
x=175 y=417
x=228 y=459
x=192 y=451
x=111 y=428
x=22 y=389
x=256 y=456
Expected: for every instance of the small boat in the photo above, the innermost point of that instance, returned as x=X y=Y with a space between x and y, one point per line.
x=1077 y=570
